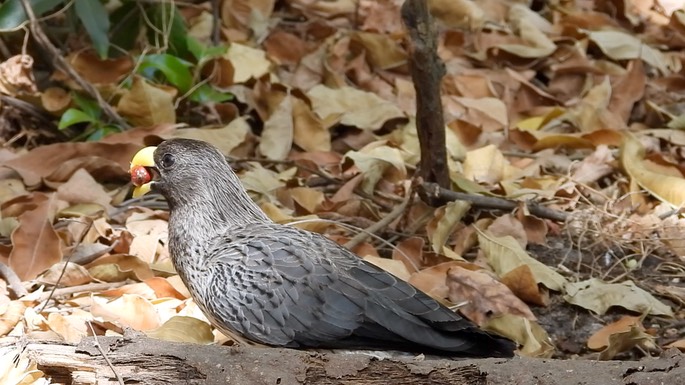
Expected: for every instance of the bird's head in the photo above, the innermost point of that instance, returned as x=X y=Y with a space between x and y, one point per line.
x=177 y=166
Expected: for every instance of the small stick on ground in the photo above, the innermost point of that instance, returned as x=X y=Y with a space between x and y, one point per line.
x=384 y=222
x=12 y=280
x=439 y=194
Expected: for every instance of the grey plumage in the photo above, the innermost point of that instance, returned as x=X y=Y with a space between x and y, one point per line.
x=283 y=286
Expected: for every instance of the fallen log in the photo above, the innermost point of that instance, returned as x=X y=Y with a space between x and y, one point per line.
x=149 y=361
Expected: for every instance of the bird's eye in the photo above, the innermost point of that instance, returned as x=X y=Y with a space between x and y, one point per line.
x=168 y=160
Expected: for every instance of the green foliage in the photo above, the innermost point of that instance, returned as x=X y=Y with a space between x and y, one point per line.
x=12 y=13
x=157 y=29
x=88 y=112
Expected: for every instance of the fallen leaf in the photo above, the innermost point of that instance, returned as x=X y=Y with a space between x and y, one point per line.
x=598 y=296
x=444 y=222
x=396 y=268
x=533 y=339
x=35 y=244
x=504 y=254
x=146 y=104
x=485 y=297
x=129 y=310
x=352 y=107
x=184 y=329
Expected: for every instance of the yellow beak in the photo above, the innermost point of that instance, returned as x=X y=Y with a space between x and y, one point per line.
x=145 y=158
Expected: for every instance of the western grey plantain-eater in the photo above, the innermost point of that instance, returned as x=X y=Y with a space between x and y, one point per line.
x=283 y=286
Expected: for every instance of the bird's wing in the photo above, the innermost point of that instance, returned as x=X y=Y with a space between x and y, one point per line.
x=284 y=286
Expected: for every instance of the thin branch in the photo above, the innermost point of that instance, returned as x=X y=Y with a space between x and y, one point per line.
x=432 y=190
x=384 y=222
x=12 y=280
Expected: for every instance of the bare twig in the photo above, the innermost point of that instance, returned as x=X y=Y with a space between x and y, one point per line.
x=445 y=195
x=90 y=287
x=104 y=356
x=384 y=222
x=12 y=280
x=62 y=65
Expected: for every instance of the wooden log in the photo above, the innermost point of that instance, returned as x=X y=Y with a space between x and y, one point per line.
x=143 y=360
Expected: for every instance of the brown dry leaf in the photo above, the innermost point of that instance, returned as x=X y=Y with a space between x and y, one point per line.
x=71 y=327
x=105 y=161
x=410 y=252
x=537 y=44
x=10 y=315
x=433 y=280
x=533 y=338
x=55 y=100
x=668 y=189
x=536 y=228
x=675 y=293
x=130 y=310
x=445 y=220
x=485 y=297
x=247 y=62
x=522 y=282
x=622 y=46
x=381 y=50
x=226 y=138
x=622 y=341
x=184 y=329
x=119 y=267
x=309 y=132
x=73 y=275
x=504 y=254
x=326 y=9
x=591 y=114
x=459 y=14
x=352 y=107
x=140 y=289
x=100 y=71
x=83 y=188
x=598 y=296
x=11 y=188
x=509 y=225
x=277 y=137
x=35 y=244
x=307 y=198
x=16 y=76
x=396 y=268
x=679 y=344
x=600 y=339
x=146 y=104
x=487 y=165
x=163 y=288
x=377 y=160
x=594 y=167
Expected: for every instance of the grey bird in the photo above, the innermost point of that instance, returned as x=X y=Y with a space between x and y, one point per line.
x=283 y=286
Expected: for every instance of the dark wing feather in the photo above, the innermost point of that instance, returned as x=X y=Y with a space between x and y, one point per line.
x=284 y=286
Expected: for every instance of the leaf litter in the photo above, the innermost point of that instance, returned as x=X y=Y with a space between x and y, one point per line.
x=579 y=110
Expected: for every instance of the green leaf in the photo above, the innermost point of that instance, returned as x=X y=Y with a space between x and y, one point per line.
x=202 y=52
x=167 y=19
x=126 y=22
x=73 y=116
x=101 y=132
x=174 y=69
x=12 y=12
x=208 y=94
x=95 y=18
x=89 y=106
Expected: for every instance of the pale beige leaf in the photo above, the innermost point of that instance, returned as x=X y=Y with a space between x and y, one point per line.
x=130 y=310
x=667 y=188
x=277 y=136
x=623 y=46
x=184 y=329
x=247 y=62
x=146 y=104
x=444 y=222
x=598 y=296
x=225 y=138
x=364 y=110
x=392 y=266
x=505 y=254
x=533 y=338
